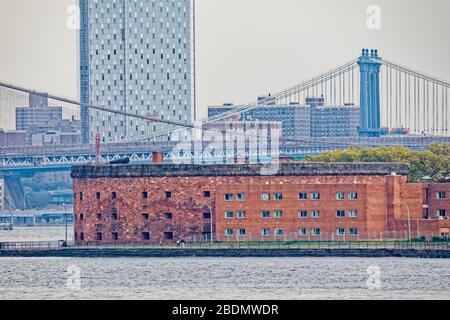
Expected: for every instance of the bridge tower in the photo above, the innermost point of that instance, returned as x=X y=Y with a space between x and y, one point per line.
x=370 y=100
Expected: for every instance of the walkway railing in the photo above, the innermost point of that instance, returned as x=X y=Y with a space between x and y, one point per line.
x=303 y=245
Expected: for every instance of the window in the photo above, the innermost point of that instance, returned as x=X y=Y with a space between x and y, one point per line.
x=81 y=196
x=97 y=195
x=340 y=231
x=115 y=216
x=99 y=216
x=145 y=216
x=441 y=213
x=229 y=215
x=353 y=231
x=440 y=195
x=265 y=214
x=279 y=232
x=315 y=214
x=81 y=217
x=278 y=196
x=241 y=232
x=265 y=232
x=265 y=197
x=303 y=196
x=207 y=215
x=340 y=196
x=113 y=195
x=228 y=197
x=144 y=195
x=353 y=213
x=98 y=236
x=316 y=231
x=303 y=214
x=340 y=214
x=168 y=235
x=145 y=236
x=114 y=236
x=241 y=214
x=353 y=196
x=303 y=232
x=81 y=236
x=315 y=196
x=241 y=197
x=168 y=194
x=168 y=216
x=207 y=194
x=228 y=232
x=278 y=214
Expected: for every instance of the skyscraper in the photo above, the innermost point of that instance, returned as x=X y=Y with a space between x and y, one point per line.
x=136 y=56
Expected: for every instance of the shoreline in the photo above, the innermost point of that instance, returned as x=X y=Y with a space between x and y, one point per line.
x=226 y=253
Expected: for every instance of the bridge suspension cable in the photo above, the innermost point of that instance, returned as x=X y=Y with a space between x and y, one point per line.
x=322 y=86
x=414 y=100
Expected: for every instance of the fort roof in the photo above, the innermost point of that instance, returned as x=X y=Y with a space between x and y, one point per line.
x=193 y=170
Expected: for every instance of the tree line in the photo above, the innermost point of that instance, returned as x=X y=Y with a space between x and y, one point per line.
x=432 y=164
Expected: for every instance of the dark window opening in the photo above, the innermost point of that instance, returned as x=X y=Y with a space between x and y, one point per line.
x=81 y=196
x=99 y=236
x=168 y=235
x=81 y=236
x=145 y=216
x=113 y=195
x=144 y=195
x=207 y=215
x=207 y=194
x=114 y=236
x=115 y=216
x=145 y=236
x=81 y=217
x=168 y=216
x=168 y=194
x=98 y=195
x=99 y=216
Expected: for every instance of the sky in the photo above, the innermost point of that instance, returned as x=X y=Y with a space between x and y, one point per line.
x=245 y=48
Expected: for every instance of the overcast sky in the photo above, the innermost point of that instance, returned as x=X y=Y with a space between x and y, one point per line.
x=244 y=47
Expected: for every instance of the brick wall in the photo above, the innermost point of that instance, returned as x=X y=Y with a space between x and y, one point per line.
x=153 y=207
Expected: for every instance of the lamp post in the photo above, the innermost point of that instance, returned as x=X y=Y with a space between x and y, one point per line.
x=211 y=222
x=65 y=220
x=409 y=218
x=25 y=200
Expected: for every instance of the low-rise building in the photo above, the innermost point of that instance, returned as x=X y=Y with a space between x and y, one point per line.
x=12 y=138
x=163 y=203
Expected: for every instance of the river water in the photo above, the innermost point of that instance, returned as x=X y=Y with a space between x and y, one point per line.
x=220 y=278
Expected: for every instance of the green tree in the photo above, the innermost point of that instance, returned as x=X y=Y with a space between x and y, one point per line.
x=431 y=164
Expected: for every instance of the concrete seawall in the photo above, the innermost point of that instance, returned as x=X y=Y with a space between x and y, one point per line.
x=231 y=253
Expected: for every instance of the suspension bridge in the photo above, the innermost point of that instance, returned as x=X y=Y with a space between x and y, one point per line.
x=389 y=95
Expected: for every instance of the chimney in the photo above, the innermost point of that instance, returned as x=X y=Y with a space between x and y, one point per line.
x=158 y=158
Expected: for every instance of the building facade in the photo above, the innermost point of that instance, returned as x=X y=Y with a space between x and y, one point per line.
x=163 y=203
x=136 y=56
x=44 y=125
x=2 y=194
x=13 y=138
x=313 y=119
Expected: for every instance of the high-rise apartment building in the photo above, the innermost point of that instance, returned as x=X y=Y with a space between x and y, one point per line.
x=136 y=56
x=313 y=119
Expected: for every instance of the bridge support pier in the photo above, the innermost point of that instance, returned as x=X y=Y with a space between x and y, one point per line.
x=370 y=99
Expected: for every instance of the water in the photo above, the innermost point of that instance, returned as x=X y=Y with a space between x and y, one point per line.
x=48 y=233
x=219 y=278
